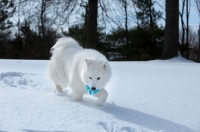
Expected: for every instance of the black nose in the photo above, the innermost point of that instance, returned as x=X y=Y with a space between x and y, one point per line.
x=93 y=88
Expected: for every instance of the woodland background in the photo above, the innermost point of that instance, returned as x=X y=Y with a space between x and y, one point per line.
x=120 y=29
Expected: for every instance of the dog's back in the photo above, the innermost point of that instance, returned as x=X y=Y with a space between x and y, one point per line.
x=65 y=43
x=62 y=54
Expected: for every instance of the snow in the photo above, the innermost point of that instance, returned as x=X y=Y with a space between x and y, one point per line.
x=151 y=96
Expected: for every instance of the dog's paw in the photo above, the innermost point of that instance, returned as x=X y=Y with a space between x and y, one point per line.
x=77 y=98
x=59 y=89
x=100 y=102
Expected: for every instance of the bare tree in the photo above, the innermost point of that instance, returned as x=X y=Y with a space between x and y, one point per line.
x=44 y=5
x=91 y=39
x=171 y=37
x=187 y=26
x=125 y=6
x=198 y=9
x=182 y=22
x=44 y=15
x=198 y=6
x=193 y=40
x=63 y=10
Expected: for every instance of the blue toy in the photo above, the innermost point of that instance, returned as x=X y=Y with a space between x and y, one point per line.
x=91 y=92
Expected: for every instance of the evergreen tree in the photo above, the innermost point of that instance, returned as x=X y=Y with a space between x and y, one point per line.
x=6 y=11
x=147 y=15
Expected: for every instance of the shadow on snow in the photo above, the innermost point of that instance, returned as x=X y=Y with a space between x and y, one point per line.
x=140 y=118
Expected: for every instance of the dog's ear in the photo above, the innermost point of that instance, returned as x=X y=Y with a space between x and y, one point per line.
x=103 y=64
x=87 y=62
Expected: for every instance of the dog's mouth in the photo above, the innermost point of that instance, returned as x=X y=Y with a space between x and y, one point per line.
x=91 y=91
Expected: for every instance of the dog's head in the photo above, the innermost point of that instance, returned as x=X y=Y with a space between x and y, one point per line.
x=96 y=73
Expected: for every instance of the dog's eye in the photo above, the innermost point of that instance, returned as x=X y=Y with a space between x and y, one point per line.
x=90 y=78
x=98 y=78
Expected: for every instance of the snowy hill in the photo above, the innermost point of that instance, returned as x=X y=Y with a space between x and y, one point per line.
x=152 y=96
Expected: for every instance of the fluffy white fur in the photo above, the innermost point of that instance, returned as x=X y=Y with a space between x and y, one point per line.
x=74 y=66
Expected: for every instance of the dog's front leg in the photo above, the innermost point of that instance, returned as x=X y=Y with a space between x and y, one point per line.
x=77 y=94
x=59 y=89
x=102 y=96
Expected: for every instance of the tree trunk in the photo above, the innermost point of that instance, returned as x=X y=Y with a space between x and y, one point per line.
x=199 y=44
x=91 y=40
x=150 y=14
x=183 y=28
x=187 y=29
x=42 y=17
x=126 y=30
x=171 y=38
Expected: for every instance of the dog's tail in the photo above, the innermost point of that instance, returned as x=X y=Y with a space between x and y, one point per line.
x=65 y=43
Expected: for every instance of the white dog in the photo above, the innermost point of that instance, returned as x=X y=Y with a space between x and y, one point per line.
x=84 y=70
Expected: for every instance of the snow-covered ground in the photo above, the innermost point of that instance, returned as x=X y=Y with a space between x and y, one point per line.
x=151 y=96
